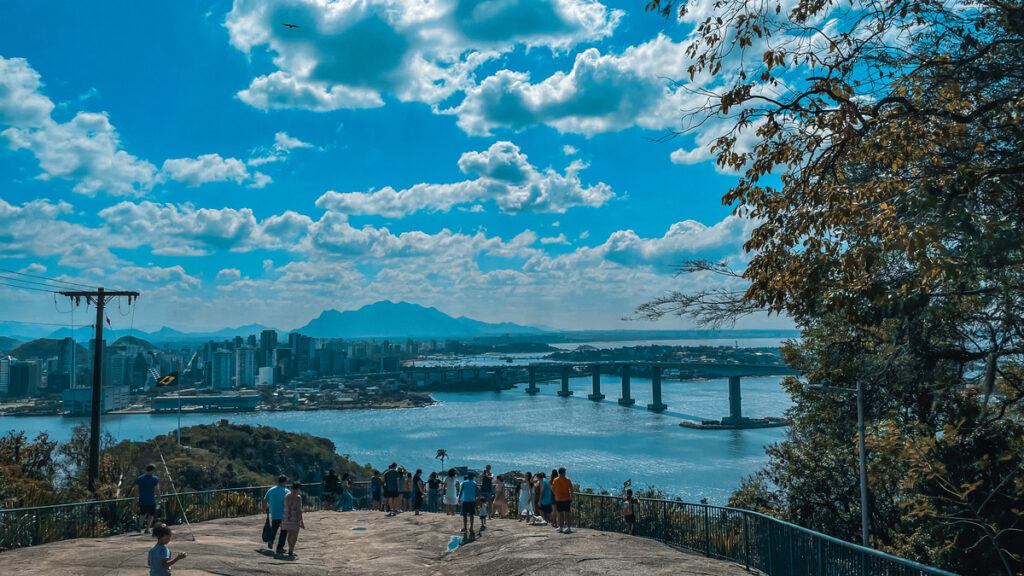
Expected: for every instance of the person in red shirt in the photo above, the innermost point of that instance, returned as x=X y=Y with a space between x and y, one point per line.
x=562 y=487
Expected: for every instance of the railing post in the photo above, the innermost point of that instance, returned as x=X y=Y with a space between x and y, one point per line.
x=820 y=549
x=707 y=532
x=746 y=542
x=771 y=556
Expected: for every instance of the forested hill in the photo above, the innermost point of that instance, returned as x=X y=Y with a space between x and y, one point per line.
x=231 y=455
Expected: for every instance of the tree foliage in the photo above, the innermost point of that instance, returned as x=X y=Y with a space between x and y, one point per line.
x=886 y=176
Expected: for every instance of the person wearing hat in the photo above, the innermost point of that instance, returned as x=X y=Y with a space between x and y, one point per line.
x=159 y=560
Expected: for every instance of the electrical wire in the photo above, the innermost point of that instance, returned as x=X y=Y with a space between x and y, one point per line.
x=32 y=282
x=46 y=278
x=28 y=288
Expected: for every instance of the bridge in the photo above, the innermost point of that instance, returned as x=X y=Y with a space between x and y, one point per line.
x=500 y=375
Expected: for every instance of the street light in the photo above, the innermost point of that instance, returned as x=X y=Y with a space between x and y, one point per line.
x=825 y=386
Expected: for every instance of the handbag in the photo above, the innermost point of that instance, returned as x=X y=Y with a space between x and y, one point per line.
x=267 y=530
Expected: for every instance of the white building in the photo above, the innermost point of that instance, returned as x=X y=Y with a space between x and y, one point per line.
x=266 y=376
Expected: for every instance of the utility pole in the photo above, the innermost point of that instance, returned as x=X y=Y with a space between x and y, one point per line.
x=100 y=299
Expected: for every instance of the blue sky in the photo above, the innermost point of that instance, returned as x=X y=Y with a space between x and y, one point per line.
x=493 y=159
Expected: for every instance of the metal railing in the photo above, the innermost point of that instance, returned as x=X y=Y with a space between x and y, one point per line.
x=771 y=546
x=755 y=540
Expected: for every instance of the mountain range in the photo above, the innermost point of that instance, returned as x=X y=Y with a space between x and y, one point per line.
x=379 y=320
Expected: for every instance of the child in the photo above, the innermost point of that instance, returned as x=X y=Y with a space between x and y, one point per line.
x=159 y=556
x=629 y=512
x=482 y=503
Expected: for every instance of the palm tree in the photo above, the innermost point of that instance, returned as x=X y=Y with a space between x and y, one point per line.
x=442 y=454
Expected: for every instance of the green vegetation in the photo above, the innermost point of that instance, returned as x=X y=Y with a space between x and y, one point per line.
x=40 y=472
x=894 y=243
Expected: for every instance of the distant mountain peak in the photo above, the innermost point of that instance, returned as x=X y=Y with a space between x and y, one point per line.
x=402 y=320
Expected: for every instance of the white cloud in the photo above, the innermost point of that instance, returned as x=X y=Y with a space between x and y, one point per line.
x=21 y=104
x=86 y=150
x=283 y=145
x=504 y=176
x=569 y=150
x=229 y=274
x=352 y=54
x=601 y=93
x=212 y=168
x=560 y=239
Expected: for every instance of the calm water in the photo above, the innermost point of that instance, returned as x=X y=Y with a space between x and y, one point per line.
x=601 y=444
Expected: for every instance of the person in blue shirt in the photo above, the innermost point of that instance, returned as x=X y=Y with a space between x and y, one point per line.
x=467 y=496
x=147 y=488
x=274 y=499
x=159 y=559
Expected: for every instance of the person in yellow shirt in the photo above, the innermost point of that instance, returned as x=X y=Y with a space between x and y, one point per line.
x=562 y=487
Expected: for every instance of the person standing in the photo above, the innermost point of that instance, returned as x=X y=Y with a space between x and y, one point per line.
x=487 y=489
x=467 y=496
x=291 y=522
x=546 y=499
x=417 y=491
x=500 y=507
x=562 y=487
x=433 y=492
x=377 y=491
x=629 y=511
x=147 y=488
x=451 y=497
x=330 y=491
x=159 y=559
x=347 y=500
x=392 y=482
x=274 y=499
x=406 y=490
x=525 y=488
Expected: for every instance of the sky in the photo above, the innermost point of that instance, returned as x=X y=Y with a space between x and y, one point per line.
x=497 y=159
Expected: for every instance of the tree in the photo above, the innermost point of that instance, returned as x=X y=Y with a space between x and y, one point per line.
x=442 y=455
x=27 y=470
x=886 y=176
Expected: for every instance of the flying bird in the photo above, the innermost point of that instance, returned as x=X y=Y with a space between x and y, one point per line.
x=291 y=25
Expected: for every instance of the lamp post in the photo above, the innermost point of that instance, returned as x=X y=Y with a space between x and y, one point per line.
x=825 y=386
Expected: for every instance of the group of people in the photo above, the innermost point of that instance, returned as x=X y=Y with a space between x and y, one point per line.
x=545 y=501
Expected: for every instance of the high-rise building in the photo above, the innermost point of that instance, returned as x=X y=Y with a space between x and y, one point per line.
x=221 y=376
x=5 y=375
x=268 y=341
x=25 y=378
x=245 y=367
x=282 y=364
x=66 y=356
x=302 y=352
x=117 y=373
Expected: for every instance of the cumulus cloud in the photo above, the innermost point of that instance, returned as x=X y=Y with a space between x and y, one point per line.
x=504 y=175
x=601 y=93
x=229 y=274
x=352 y=54
x=212 y=168
x=21 y=103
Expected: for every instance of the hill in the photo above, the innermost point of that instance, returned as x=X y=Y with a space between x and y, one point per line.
x=133 y=341
x=402 y=320
x=44 y=348
x=8 y=344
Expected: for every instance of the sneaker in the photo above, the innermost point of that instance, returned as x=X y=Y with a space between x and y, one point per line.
x=559 y=529
x=567 y=531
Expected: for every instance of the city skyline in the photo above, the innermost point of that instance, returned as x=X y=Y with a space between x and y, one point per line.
x=495 y=161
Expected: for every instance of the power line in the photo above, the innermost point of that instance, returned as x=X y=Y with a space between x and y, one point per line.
x=46 y=278
x=41 y=323
x=33 y=282
x=28 y=288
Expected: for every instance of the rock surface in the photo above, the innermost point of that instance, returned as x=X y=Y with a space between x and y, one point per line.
x=369 y=543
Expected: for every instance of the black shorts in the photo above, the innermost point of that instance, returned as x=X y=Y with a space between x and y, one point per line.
x=562 y=505
x=147 y=509
x=630 y=519
x=390 y=493
x=545 y=508
x=468 y=508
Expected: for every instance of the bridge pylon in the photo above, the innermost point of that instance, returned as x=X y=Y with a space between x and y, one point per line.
x=595 y=372
x=565 y=392
x=626 y=399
